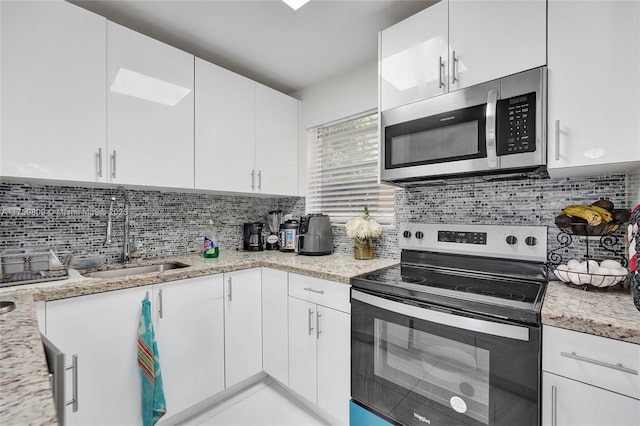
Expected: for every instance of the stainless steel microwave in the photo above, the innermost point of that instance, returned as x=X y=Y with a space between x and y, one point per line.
x=491 y=128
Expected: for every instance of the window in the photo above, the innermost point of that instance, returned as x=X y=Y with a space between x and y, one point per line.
x=343 y=171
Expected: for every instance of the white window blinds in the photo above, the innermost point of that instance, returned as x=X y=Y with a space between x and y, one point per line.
x=343 y=172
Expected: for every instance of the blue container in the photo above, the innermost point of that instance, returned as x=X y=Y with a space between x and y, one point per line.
x=359 y=416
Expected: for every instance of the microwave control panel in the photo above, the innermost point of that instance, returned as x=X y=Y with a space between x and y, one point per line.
x=517 y=124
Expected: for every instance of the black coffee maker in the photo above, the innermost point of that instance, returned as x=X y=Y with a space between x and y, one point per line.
x=253 y=240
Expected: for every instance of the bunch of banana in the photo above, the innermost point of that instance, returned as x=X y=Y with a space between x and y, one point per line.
x=599 y=218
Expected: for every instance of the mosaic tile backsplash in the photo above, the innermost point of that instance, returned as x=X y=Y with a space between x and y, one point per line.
x=169 y=223
x=70 y=218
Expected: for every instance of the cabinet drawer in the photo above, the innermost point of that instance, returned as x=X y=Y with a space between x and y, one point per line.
x=591 y=359
x=323 y=292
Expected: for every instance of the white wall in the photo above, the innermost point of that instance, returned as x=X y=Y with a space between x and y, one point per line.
x=338 y=97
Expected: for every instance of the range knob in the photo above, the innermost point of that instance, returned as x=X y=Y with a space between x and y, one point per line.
x=511 y=240
x=406 y=234
x=419 y=235
x=531 y=241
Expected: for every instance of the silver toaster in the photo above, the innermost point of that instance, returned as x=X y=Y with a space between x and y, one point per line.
x=314 y=235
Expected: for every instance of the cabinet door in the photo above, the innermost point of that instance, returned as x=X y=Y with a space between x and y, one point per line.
x=414 y=58
x=224 y=129
x=189 y=326
x=492 y=39
x=53 y=98
x=242 y=325
x=302 y=349
x=276 y=142
x=275 y=325
x=334 y=358
x=102 y=330
x=594 y=64
x=150 y=118
x=567 y=402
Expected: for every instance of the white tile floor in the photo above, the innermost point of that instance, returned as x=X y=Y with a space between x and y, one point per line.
x=264 y=403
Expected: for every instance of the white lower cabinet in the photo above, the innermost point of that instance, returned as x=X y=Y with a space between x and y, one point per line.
x=275 y=325
x=189 y=326
x=568 y=402
x=242 y=325
x=589 y=380
x=319 y=344
x=101 y=329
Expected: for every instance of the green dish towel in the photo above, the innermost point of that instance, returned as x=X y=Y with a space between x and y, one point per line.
x=154 y=405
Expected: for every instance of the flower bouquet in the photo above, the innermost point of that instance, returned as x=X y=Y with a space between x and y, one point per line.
x=363 y=229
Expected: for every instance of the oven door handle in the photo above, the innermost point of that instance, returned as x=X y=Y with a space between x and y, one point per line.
x=492 y=102
x=465 y=323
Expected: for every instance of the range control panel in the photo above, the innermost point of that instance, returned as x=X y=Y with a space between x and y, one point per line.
x=500 y=241
x=463 y=237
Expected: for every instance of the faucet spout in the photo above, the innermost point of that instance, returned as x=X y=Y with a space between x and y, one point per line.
x=110 y=222
x=126 y=244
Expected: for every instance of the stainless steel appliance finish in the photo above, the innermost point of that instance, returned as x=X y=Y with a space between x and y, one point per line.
x=494 y=127
x=288 y=240
x=452 y=335
x=315 y=236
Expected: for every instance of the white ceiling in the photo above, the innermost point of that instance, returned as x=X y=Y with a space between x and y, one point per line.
x=266 y=40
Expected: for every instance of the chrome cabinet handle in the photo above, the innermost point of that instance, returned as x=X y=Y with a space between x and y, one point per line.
x=441 y=73
x=74 y=391
x=318 y=325
x=113 y=164
x=454 y=65
x=557 y=141
x=492 y=101
x=618 y=366
x=260 y=180
x=313 y=290
x=554 y=406
x=99 y=160
x=230 y=289
x=160 y=302
x=310 y=327
x=253 y=179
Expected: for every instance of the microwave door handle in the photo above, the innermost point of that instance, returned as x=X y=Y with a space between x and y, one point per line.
x=492 y=101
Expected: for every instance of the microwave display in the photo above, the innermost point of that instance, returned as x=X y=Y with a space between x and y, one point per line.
x=517 y=124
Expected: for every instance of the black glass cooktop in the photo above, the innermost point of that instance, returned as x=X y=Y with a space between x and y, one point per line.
x=490 y=294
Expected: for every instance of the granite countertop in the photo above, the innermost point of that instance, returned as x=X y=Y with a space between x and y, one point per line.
x=606 y=313
x=25 y=392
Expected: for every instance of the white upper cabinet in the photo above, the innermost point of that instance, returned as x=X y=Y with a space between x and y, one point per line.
x=245 y=132
x=53 y=97
x=594 y=87
x=414 y=58
x=459 y=43
x=492 y=39
x=150 y=111
x=224 y=129
x=276 y=152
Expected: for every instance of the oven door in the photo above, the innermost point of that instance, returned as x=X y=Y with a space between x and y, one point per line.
x=415 y=364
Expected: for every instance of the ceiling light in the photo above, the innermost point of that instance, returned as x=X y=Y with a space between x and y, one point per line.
x=295 y=4
x=142 y=86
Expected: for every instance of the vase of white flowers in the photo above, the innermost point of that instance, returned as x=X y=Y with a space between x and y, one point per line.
x=363 y=230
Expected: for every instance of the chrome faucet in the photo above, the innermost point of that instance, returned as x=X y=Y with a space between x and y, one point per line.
x=126 y=245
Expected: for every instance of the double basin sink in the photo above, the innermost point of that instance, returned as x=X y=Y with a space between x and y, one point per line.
x=130 y=271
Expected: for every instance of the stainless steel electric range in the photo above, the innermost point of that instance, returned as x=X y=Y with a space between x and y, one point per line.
x=452 y=335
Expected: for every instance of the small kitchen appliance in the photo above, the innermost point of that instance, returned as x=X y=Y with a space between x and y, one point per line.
x=253 y=239
x=490 y=128
x=288 y=235
x=452 y=335
x=274 y=219
x=315 y=237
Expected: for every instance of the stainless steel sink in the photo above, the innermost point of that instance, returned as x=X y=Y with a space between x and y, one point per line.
x=129 y=271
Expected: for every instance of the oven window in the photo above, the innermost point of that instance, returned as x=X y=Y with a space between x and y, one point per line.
x=445 y=371
x=450 y=142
